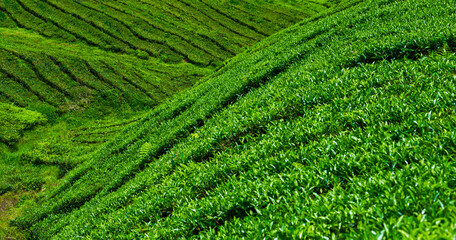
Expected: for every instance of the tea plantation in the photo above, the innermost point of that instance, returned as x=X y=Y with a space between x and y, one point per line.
x=66 y=56
x=342 y=126
x=75 y=73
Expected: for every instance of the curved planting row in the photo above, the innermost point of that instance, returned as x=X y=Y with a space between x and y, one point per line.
x=114 y=56
x=169 y=30
x=54 y=76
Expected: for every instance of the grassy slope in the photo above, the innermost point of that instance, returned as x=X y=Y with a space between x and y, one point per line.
x=90 y=66
x=75 y=61
x=341 y=126
x=66 y=56
x=50 y=75
x=14 y=121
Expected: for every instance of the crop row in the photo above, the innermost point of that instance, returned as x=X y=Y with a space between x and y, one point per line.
x=69 y=77
x=58 y=83
x=52 y=82
x=128 y=27
x=67 y=148
x=307 y=139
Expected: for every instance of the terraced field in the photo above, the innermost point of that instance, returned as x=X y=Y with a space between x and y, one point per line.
x=340 y=127
x=35 y=155
x=63 y=56
x=61 y=146
x=74 y=73
x=200 y=32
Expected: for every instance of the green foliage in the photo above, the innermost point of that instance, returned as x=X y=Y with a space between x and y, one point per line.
x=144 y=150
x=5 y=187
x=67 y=54
x=20 y=173
x=14 y=121
x=92 y=67
x=142 y=54
x=44 y=155
x=342 y=127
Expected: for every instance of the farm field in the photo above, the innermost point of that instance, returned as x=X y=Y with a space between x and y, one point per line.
x=341 y=126
x=63 y=56
x=34 y=160
x=75 y=73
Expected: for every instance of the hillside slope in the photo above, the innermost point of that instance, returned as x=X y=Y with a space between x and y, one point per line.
x=67 y=56
x=342 y=126
x=93 y=67
x=52 y=76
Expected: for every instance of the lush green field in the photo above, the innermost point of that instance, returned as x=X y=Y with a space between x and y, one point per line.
x=56 y=77
x=73 y=74
x=340 y=127
x=33 y=161
x=66 y=56
x=77 y=63
x=14 y=121
x=201 y=32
